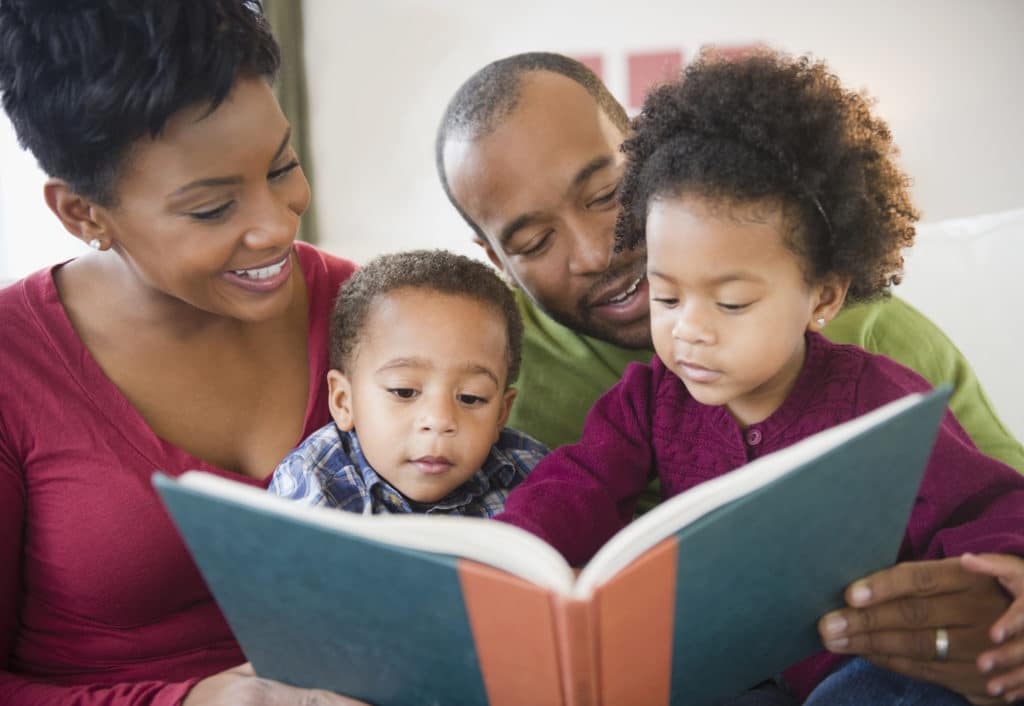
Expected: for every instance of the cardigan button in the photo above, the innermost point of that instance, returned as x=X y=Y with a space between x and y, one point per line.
x=753 y=437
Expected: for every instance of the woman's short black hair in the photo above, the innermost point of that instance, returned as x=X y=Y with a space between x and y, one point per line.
x=769 y=127
x=430 y=271
x=82 y=80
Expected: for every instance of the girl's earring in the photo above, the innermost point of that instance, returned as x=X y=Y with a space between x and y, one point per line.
x=95 y=244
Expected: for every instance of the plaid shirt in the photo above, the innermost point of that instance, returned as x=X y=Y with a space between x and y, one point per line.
x=329 y=469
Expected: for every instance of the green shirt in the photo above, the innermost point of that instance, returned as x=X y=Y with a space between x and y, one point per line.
x=563 y=373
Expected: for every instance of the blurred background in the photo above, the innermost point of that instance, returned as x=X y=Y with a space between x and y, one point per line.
x=377 y=75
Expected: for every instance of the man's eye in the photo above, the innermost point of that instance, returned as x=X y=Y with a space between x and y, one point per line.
x=537 y=246
x=405 y=393
x=212 y=214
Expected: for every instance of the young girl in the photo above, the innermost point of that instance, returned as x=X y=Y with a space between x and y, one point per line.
x=767 y=196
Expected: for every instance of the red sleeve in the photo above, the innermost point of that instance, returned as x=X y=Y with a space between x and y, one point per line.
x=579 y=496
x=967 y=502
x=19 y=691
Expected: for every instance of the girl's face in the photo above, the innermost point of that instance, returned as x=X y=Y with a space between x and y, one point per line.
x=207 y=211
x=729 y=301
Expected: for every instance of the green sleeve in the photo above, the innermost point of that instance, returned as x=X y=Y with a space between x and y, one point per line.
x=895 y=329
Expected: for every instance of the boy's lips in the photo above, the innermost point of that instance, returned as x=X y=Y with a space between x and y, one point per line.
x=432 y=465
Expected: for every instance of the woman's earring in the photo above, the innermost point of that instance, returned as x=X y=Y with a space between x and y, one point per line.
x=820 y=321
x=95 y=244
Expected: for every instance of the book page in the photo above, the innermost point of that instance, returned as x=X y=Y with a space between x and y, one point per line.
x=494 y=543
x=678 y=512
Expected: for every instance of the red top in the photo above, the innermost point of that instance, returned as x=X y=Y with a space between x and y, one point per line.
x=99 y=600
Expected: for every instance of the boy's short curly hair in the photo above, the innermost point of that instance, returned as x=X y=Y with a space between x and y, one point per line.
x=766 y=126
x=431 y=270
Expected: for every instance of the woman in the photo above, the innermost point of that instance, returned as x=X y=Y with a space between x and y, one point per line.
x=192 y=337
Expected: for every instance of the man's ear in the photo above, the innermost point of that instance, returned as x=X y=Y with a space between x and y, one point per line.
x=831 y=296
x=339 y=399
x=78 y=215
x=492 y=255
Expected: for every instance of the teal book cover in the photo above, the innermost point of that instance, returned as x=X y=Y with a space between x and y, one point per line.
x=710 y=592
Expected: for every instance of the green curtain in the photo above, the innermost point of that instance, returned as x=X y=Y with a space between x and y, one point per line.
x=285 y=17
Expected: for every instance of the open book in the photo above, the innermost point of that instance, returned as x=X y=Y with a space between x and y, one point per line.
x=710 y=592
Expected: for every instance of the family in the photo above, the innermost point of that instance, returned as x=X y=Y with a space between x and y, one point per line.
x=671 y=297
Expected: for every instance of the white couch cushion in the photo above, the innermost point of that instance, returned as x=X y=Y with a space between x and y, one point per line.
x=966 y=276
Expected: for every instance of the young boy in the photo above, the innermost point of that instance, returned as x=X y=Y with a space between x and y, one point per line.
x=424 y=347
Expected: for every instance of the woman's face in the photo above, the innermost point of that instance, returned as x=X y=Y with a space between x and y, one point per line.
x=206 y=213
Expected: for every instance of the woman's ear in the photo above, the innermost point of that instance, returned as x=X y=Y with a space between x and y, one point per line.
x=339 y=399
x=831 y=295
x=78 y=215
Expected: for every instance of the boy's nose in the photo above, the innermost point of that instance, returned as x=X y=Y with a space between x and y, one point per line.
x=438 y=417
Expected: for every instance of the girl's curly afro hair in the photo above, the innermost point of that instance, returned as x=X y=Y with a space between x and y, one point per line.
x=770 y=127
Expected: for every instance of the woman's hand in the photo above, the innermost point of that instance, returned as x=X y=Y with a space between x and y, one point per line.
x=1005 y=664
x=897 y=617
x=241 y=687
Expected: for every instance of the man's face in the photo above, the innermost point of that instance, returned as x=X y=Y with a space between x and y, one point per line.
x=543 y=188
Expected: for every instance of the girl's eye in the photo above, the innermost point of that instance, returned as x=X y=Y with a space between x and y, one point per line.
x=604 y=199
x=278 y=173
x=472 y=400
x=405 y=393
x=537 y=246
x=212 y=214
x=666 y=302
x=732 y=307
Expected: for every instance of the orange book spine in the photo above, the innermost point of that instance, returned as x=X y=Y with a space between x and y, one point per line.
x=576 y=627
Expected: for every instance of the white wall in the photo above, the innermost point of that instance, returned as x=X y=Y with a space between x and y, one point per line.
x=946 y=75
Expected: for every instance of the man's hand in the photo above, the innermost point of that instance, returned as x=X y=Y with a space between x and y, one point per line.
x=1006 y=661
x=894 y=617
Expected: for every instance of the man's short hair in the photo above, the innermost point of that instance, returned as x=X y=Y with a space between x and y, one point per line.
x=491 y=94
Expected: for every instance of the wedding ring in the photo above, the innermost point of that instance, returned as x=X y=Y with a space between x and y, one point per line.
x=941 y=644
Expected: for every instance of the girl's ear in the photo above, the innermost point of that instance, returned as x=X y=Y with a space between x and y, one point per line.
x=831 y=296
x=339 y=399
x=78 y=215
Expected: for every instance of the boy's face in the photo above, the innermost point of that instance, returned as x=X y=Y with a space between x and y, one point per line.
x=729 y=302
x=426 y=389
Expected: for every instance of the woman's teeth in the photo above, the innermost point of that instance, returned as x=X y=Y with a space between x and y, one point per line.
x=627 y=294
x=261 y=272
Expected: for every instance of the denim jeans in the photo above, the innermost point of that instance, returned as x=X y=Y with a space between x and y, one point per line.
x=860 y=683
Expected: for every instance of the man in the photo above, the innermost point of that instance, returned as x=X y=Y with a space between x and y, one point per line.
x=528 y=152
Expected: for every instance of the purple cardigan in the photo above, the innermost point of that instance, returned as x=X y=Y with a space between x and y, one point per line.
x=648 y=426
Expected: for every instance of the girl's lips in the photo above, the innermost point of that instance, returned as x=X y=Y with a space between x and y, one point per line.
x=697 y=373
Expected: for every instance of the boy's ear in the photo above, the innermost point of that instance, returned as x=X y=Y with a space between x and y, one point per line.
x=831 y=296
x=506 y=407
x=78 y=215
x=339 y=399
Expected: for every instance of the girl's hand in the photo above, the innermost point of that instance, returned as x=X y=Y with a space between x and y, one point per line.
x=241 y=687
x=894 y=617
x=1005 y=663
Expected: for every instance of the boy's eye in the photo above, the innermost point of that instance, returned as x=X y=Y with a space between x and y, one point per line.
x=405 y=393
x=472 y=400
x=278 y=173
x=212 y=214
